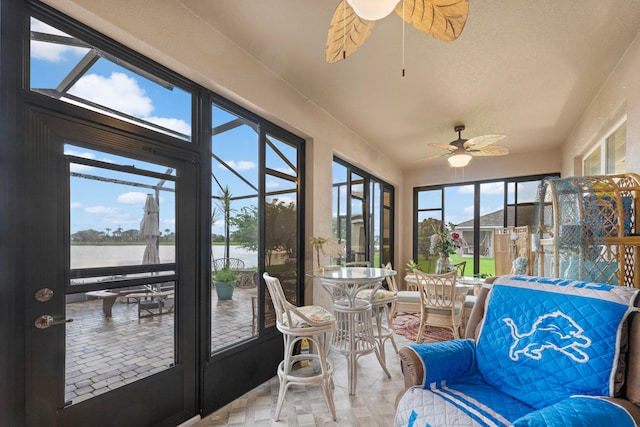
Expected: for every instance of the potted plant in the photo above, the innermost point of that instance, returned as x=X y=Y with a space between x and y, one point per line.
x=317 y=243
x=410 y=266
x=225 y=280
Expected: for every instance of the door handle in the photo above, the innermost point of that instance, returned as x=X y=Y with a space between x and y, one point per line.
x=44 y=321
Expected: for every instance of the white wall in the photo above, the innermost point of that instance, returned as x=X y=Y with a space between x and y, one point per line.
x=620 y=95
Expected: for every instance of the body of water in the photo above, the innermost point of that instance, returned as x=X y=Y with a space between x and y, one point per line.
x=113 y=256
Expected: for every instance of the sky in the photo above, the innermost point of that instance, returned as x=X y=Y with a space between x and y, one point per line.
x=459 y=206
x=101 y=205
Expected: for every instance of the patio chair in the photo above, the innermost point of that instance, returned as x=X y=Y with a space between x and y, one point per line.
x=440 y=302
x=460 y=267
x=408 y=301
x=312 y=323
x=230 y=263
x=380 y=302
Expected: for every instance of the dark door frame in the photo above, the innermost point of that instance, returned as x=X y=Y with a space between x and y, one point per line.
x=165 y=398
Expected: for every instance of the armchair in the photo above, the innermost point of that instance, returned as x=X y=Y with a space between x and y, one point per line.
x=538 y=351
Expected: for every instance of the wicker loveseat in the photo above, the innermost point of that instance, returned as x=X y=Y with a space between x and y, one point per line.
x=538 y=352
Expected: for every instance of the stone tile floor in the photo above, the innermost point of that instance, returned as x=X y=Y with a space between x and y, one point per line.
x=372 y=405
x=103 y=354
x=106 y=353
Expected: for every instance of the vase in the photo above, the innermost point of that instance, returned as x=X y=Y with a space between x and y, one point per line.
x=224 y=289
x=443 y=264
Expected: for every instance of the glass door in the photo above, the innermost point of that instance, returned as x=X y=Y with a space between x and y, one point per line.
x=110 y=297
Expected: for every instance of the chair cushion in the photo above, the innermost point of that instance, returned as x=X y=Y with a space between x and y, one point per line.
x=469 y=301
x=313 y=312
x=409 y=296
x=379 y=295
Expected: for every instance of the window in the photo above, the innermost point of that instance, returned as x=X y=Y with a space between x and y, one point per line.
x=474 y=210
x=238 y=139
x=609 y=155
x=362 y=214
x=71 y=70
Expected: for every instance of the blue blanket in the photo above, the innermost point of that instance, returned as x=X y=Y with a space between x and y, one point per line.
x=545 y=356
x=543 y=340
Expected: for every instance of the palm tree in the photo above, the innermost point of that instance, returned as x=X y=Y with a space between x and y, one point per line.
x=224 y=204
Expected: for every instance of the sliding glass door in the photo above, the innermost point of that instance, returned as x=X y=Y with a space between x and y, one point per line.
x=363 y=215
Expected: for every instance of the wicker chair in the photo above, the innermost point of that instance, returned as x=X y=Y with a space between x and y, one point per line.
x=380 y=302
x=231 y=263
x=440 y=303
x=313 y=323
x=460 y=267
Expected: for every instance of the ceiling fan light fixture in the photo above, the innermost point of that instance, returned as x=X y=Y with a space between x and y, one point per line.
x=459 y=160
x=372 y=10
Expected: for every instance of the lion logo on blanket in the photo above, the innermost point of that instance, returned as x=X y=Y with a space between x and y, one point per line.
x=555 y=331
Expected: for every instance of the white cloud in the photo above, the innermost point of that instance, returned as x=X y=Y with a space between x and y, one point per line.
x=121 y=218
x=466 y=189
x=242 y=165
x=84 y=155
x=527 y=192
x=76 y=205
x=52 y=52
x=492 y=188
x=177 y=125
x=286 y=169
x=132 y=198
x=100 y=210
x=118 y=91
x=122 y=93
x=41 y=27
x=272 y=184
x=75 y=167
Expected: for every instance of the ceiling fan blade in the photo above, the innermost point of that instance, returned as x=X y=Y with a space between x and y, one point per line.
x=444 y=19
x=432 y=157
x=347 y=32
x=482 y=141
x=447 y=147
x=489 y=151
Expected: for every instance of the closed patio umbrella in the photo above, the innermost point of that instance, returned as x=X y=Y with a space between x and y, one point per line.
x=149 y=228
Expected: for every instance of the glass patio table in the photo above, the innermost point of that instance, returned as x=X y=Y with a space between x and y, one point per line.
x=354 y=335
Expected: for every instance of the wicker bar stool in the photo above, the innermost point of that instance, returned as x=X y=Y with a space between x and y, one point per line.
x=313 y=323
x=382 y=301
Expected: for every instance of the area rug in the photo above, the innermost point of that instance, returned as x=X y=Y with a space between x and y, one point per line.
x=408 y=325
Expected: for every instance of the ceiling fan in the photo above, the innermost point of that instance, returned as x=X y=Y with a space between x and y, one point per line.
x=353 y=20
x=461 y=150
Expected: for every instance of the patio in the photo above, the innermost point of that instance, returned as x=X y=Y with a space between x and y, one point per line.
x=107 y=353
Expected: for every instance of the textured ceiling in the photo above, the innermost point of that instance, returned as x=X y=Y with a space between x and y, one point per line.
x=525 y=69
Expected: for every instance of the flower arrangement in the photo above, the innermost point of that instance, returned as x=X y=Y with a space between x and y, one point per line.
x=519 y=266
x=445 y=242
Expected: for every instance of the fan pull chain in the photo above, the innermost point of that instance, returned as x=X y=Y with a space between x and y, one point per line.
x=344 y=29
x=403 y=25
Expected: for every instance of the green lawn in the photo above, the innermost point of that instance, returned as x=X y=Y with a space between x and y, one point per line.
x=487 y=265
